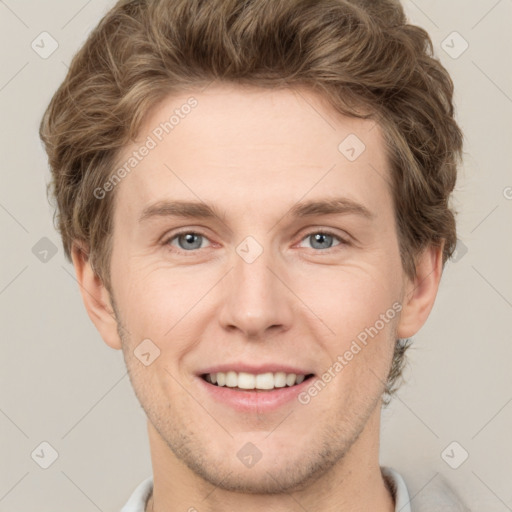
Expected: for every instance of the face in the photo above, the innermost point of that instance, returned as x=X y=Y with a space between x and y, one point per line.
x=254 y=237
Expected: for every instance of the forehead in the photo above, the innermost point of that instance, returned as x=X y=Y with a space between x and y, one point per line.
x=252 y=144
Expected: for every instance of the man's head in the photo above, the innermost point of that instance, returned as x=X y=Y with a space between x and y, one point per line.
x=270 y=112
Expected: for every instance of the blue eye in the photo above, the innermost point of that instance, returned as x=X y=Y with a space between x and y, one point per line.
x=323 y=240
x=190 y=241
x=187 y=241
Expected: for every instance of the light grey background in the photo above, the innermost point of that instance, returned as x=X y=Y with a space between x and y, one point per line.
x=60 y=384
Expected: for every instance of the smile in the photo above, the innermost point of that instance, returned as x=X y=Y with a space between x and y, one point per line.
x=249 y=381
x=258 y=393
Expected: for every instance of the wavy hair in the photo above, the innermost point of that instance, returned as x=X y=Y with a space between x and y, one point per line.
x=362 y=56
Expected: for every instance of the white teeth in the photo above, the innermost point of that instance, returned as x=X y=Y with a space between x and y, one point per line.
x=279 y=380
x=244 y=380
x=265 y=381
x=290 y=379
x=231 y=379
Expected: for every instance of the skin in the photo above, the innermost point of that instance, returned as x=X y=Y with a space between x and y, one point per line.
x=253 y=154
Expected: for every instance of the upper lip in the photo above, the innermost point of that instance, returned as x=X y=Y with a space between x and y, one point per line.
x=255 y=369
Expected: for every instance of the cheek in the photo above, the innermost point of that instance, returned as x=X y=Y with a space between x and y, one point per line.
x=348 y=299
x=160 y=303
x=360 y=306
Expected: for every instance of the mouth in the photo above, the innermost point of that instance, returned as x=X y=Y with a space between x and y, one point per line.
x=251 y=382
x=252 y=389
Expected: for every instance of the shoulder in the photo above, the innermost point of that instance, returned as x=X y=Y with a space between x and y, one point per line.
x=438 y=495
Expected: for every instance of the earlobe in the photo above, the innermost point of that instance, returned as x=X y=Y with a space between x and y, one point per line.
x=420 y=293
x=96 y=297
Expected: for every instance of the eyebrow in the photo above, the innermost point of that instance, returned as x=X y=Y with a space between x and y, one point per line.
x=201 y=210
x=340 y=205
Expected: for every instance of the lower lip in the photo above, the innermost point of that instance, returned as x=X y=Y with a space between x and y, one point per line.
x=252 y=400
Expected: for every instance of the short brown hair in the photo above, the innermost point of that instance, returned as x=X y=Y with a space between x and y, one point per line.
x=360 y=55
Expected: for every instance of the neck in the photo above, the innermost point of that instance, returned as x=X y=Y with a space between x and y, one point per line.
x=354 y=483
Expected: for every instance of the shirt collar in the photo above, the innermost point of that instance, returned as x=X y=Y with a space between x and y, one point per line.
x=398 y=489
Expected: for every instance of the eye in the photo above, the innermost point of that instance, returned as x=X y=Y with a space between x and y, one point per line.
x=190 y=240
x=186 y=241
x=323 y=240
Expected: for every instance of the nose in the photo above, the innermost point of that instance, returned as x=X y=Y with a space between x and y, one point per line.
x=256 y=299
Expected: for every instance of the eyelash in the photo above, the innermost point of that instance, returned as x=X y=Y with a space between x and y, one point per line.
x=167 y=240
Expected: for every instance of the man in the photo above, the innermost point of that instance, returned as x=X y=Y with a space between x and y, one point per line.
x=255 y=199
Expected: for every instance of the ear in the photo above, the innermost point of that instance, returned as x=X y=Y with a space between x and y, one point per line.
x=420 y=293
x=96 y=297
